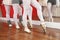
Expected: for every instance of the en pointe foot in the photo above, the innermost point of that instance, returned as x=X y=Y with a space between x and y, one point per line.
x=44 y=28
x=27 y=30
x=17 y=27
x=50 y=19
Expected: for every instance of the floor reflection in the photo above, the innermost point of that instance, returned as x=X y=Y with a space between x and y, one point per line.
x=37 y=34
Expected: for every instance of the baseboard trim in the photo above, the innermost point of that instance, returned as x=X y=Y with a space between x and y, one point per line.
x=56 y=16
x=48 y=24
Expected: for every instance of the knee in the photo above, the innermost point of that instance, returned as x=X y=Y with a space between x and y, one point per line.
x=39 y=7
x=28 y=8
x=49 y=5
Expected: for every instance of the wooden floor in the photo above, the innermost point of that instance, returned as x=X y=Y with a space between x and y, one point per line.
x=12 y=33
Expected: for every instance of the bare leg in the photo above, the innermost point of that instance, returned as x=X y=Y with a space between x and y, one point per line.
x=50 y=12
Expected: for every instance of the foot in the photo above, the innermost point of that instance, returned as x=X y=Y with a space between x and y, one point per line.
x=44 y=28
x=17 y=27
x=30 y=23
x=20 y=19
x=27 y=30
x=9 y=23
x=50 y=19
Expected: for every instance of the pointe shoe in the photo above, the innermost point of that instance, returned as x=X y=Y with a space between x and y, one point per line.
x=50 y=19
x=17 y=27
x=44 y=28
x=27 y=30
x=9 y=23
x=30 y=23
